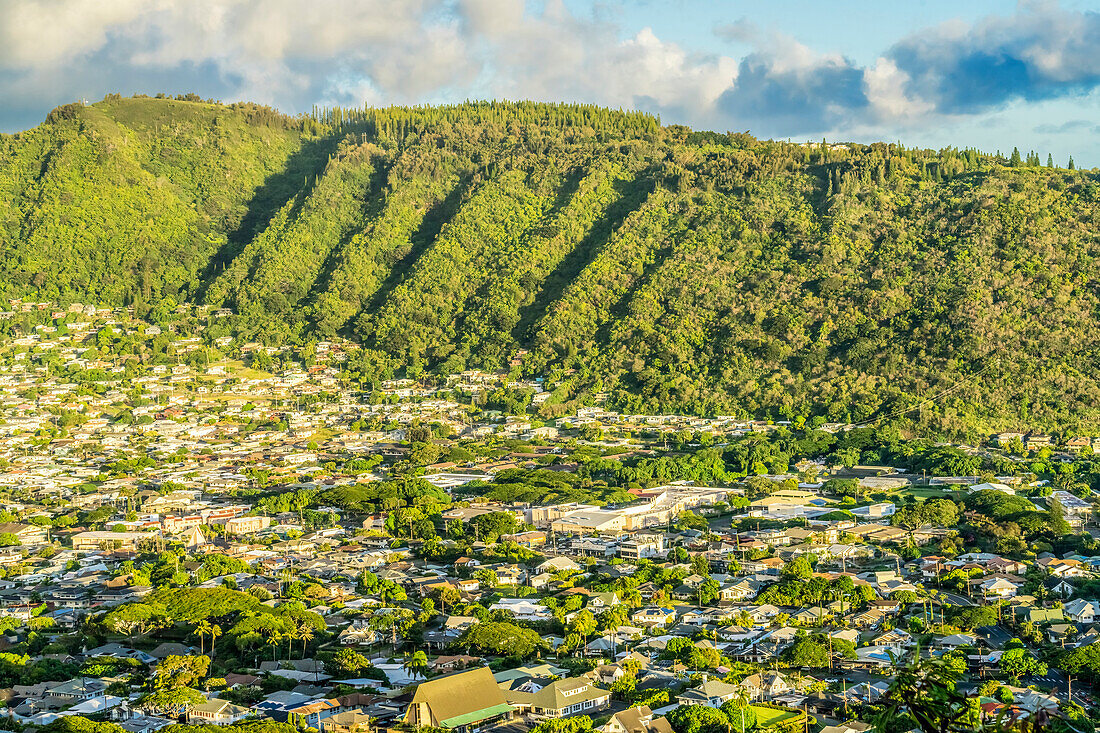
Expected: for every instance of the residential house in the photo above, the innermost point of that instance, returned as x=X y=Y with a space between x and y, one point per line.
x=711 y=693
x=311 y=714
x=351 y=721
x=560 y=699
x=522 y=609
x=78 y=690
x=765 y=685
x=1037 y=615
x=1082 y=611
x=637 y=720
x=29 y=535
x=1000 y=586
x=1067 y=568
x=1059 y=587
x=558 y=565
x=454 y=663
x=85 y=541
x=653 y=616
x=742 y=590
x=216 y=711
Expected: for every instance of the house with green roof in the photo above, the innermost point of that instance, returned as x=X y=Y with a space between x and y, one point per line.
x=462 y=702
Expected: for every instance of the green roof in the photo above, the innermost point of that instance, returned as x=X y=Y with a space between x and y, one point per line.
x=477 y=715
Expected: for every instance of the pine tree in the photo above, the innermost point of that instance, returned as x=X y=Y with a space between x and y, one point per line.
x=1015 y=160
x=1050 y=160
x=1070 y=164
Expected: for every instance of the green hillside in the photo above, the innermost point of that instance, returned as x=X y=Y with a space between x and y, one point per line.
x=673 y=269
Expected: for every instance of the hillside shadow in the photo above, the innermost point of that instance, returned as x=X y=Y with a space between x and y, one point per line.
x=372 y=206
x=298 y=176
x=430 y=227
x=620 y=309
x=631 y=195
x=542 y=228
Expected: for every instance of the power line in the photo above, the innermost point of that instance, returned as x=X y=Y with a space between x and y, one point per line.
x=934 y=398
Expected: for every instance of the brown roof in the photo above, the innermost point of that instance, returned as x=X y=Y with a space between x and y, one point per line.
x=459 y=694
x=641 y=720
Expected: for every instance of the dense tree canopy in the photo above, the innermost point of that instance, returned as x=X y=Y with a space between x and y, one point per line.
x=671 y=269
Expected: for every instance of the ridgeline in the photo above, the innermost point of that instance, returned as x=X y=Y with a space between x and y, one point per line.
x=675 y=270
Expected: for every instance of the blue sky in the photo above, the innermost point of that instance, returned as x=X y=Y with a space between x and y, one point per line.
x=978 y=73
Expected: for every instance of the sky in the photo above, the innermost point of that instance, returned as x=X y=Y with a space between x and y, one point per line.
x=930 y=73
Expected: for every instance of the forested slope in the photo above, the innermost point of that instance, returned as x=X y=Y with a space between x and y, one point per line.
x=675 y=270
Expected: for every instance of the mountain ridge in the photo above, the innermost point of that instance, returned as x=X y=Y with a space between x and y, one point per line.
x=673 y=269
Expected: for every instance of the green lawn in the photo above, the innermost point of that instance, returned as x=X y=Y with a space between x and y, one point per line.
x=768 y=717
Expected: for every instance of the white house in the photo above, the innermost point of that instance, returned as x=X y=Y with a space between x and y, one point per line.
x=522 y=609
x=1082 y=611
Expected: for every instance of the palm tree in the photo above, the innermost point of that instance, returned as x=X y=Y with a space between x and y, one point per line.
x=583 y=624
x=292 y=636
x=202 y=629
x=305 y=633
x=742 y=696
x=416 y=664
x=214 y=631
x=273 y=640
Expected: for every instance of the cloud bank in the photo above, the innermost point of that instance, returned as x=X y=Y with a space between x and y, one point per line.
x=292 y=55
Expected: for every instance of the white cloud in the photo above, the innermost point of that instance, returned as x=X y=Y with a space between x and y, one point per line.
x=293 y=54
x=885 y=86
x=34 y=33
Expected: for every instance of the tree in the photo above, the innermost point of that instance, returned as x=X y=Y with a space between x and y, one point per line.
x=741 y=715
x=348 y=663
x=698 y=719
x=201 y=630
x=393 y=620
x=941 y=512
x=501 y=639
x=416 y=664
x=139 y=618
x=708 y=591
x=305 y=634
x=1058 y=524
x=273 y=641
x=757 y=487
x=623 y=688
x=923 y=696
x=575 y=724
x=446 y=594
x=1015 y=160
x=171 y=701
x=799 y=568
x=181 y=671
x=806 y=653
x=487 y=577
x=1018 y=662
x=583 y=624
x=214 y=631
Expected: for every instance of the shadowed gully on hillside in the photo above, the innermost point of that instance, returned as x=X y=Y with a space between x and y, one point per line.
x=665 y=268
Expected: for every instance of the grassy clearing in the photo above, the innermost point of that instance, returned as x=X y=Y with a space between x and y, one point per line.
x=768 y=717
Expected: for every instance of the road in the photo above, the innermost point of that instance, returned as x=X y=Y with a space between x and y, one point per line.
x=956 y=600
x=996 y=636
x=1055 y=679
